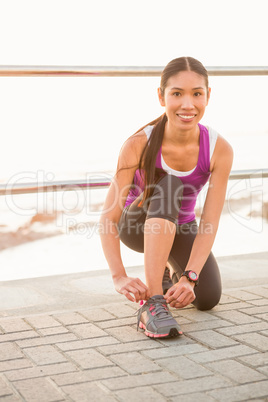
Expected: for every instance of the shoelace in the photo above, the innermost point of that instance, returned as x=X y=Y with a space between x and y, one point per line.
x=166 y=277
x=157 y=307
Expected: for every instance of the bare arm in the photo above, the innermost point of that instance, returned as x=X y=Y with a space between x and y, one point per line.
x=112 y=210
x=221 y=167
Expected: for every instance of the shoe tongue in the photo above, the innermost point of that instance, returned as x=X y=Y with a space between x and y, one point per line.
x=158 y=297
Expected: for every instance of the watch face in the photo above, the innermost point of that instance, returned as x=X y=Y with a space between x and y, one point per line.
x=193 y=275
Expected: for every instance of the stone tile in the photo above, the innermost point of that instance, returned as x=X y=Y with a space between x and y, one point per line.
x=200 y=326
x=10 y=398
x=221 y=354
x=139 y=380
x=53 y=331
x=264 y=370
x=242 y=329
x=16 y=336
x=118 y=322
x=35 y=372
x=255 y=360
x=16 y=364
x=134 y=363
x=236 y=371
x=45 y=355
x=184 y=367
x=121 y=310
x=230 y=306
x=38 y=389
x=98 y=314
x=42 y=321
x=196 y=396
x=84 y=392
x=196 y=315
x=260 y=291
x=14 y=325
x=87 y=331
x=90 y=375
x=88 y=358
x=236 y=317
x=228 y=297
x=70 y=318
x=4 y=389
x=212 y=339
x=195 y=385
x=255 y=340
x=142 y=394
x=9 y=351
x=126 y=334
x=174 y=351
x=48 y=340
x=241 y=294
x=241 y=392
x=178 y=341
x=263 y=316
x=256 y=310
x=259 y=302
x=129 y=347
x=87 y=343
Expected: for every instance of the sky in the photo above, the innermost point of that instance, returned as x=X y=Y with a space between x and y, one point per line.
x=144 y=32
x=62 y=123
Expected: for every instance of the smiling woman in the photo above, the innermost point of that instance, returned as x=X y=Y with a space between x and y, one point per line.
x=150 y=204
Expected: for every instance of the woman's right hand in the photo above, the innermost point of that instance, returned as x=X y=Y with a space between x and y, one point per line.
x=131 y=286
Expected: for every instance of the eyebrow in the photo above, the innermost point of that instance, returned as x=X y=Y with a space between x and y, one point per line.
x=181 y=89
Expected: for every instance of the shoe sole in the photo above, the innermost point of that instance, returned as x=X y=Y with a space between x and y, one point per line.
x=171 y=334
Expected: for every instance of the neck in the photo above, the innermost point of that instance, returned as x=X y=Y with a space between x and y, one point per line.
x=182 y=137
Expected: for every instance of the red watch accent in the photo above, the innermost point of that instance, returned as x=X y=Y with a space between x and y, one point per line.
x=192 y=276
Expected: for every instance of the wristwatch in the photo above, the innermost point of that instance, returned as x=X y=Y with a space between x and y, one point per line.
x=191 y=276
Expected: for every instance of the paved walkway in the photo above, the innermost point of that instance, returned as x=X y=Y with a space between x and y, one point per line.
x=72 y=338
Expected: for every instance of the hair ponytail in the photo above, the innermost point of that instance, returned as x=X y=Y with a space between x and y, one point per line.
x=147 y=167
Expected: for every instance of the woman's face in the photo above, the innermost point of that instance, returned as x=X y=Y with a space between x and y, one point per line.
x=185 y=99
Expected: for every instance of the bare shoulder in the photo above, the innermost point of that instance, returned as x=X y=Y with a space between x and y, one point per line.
x=132 y=148
x=223 y=154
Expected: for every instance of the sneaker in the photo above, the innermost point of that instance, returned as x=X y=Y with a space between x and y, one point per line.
x=155 y=318
x=166 y=282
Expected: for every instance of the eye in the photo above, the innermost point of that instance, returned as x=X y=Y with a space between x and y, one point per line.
x=197 y=94
x=177 y=94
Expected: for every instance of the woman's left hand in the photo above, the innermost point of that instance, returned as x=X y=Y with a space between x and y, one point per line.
x=181 y=294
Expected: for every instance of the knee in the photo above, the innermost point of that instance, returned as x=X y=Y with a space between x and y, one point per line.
x=170 y=181
x=207 y=302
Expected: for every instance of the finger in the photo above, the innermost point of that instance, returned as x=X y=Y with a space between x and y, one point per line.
x=170 y=292
x=127 y=294
x=183 y=303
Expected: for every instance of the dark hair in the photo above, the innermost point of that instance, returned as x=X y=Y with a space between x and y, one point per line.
x=147 y=162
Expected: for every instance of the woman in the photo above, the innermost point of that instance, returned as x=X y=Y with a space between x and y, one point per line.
x=150 y=203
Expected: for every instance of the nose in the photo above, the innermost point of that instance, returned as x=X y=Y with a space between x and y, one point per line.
x=187 y=102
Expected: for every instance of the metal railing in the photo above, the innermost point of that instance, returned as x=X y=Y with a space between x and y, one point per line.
x=26 y=188
x=118 y=71
x=111 y=71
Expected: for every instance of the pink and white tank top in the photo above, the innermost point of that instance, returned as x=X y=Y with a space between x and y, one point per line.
x=193 y=180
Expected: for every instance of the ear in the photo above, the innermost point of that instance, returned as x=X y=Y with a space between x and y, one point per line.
x=209 y=93
x=160 y=97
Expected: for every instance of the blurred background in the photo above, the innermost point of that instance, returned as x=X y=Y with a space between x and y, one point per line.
x=68 y=128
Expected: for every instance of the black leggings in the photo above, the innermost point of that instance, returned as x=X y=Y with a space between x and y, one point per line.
x=165 y=203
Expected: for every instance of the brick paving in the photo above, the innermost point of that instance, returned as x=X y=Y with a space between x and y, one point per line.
x=97 y=354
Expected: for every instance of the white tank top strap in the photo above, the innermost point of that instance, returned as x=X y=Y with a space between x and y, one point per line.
x=148 y=131
x=213 y=136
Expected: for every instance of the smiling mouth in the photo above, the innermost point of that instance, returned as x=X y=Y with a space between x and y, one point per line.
x=186 y=117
